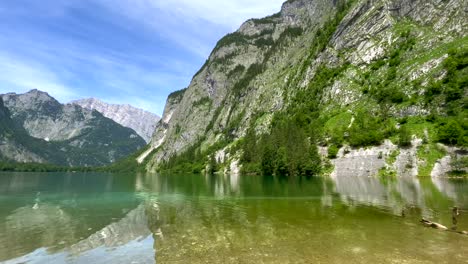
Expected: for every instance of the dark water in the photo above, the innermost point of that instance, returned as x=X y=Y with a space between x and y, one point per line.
x=105 y=218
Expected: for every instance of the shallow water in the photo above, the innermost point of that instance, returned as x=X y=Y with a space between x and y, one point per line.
x=109 y=218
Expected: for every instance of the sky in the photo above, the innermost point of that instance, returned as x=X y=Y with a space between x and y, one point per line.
x=121 y=51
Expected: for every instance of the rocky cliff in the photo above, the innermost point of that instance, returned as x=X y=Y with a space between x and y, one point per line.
x=37 y=128
x=143 y=122
x=346 y=74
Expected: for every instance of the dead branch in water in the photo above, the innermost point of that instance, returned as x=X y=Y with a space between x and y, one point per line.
x=440 y=227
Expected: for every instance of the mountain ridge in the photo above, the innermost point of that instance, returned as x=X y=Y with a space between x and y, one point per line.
x=142 y=121
x=37 y=128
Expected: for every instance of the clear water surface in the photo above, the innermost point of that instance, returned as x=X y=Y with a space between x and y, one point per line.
x=110 y=218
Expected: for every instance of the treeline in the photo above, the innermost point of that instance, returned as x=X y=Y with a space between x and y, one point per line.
x=128 y=164
x=287 y=151
x=38 y=167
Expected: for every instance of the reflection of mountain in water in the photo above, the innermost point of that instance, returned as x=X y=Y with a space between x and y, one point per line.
x=124 y=237
x=130 y=238
x=132 y=227
x=29 y=226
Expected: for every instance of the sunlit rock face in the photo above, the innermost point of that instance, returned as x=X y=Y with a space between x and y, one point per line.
x=363 y=162
x=214 y=105
x=46 y=131
x=143 y=122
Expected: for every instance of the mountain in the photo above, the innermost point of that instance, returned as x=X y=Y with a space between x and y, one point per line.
x=37 y=128
x=379 y=85
x=143 y=122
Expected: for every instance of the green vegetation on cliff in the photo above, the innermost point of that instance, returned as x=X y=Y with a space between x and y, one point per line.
x=353 y=78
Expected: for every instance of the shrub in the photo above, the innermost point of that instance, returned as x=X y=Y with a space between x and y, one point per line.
x=451 y=132
x=404 y=137
x=332 y=152
x=367 y=130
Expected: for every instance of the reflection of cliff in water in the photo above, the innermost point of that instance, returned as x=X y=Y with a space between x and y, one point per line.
x=398 y=193
x=452 y=189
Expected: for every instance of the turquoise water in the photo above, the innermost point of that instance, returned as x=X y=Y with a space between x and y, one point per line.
x=110 y=218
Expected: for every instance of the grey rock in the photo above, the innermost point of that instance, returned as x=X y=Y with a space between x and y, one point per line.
x=143 y=122
x=37 y=128
x=367 y=32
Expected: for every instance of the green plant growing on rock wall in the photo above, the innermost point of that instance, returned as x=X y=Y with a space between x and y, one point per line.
x=404 y=137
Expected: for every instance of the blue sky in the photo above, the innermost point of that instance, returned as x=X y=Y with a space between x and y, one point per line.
x=120 y=51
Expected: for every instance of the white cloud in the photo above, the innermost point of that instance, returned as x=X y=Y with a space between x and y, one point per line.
x=24 y=76
x=228 y=13
x=190 y=23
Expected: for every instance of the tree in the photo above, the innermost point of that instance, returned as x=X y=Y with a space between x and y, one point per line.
x=313 y=166
x=213 y=165
x=268 y=156
x=332 y=152
x=281 y=162
x=450 y=132
x=404 y=137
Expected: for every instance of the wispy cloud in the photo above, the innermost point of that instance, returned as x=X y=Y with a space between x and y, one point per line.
x=21 y=76
x=226 y=13
x=126 y=51
x=194 y=25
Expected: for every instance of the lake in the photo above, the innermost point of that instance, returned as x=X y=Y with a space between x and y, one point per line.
x=112 y=218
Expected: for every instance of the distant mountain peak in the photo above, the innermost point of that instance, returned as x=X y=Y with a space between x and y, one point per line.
x=40 y=129
x=40 y=94
x=33 y=99
x=142 y=121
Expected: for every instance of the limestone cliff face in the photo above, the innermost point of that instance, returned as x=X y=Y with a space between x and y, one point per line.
x=210 y=103
x=163 y=125
x=143 y=122
x=252 y=72
x=37 y=128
